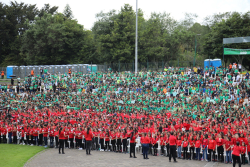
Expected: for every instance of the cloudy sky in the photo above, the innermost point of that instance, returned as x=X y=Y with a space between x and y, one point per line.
x=85 y=10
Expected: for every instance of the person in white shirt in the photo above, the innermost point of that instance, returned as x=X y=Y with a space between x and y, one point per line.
x=239 y=65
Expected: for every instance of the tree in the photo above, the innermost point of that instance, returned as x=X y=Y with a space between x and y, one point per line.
x=115 y=35
x=68 y=12
x=237 y=25
x=12 y=27
x=53 y=40
x=48 y=10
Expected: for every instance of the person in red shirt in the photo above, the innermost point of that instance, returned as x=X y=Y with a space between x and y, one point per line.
x=51 y=136
x=14 y=134
x=248 y=149
x=179 y=142
x=66 y=130
x=71 y=136
x=155 y=144
x=102 y=135
x=220 y=149
x=113 y=140
x=185 y=148
x=191 y=146
x=145 y=145
x=35 y=135
x=162 y=143
x=204 y=147
x=79 y=135
x=56 y=134
x=107 y=139
x=167 y=144
x=119 y=141
x=61 y=140
x=227 y=145
x=45 y=135
x=211 y=147
x=198 y=147
x=172 y=146
x=22 y=136
x=243 y=153
x=88 y=137
x=132 y=143
x=40 y=134
x=141 y=140
x=236 y=154
x=4 y=132
x=96 y=142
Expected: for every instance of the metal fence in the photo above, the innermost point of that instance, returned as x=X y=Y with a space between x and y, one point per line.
x=23 y=71
x=147 y=66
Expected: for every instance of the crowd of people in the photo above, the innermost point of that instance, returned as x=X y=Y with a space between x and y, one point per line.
x=186 y=111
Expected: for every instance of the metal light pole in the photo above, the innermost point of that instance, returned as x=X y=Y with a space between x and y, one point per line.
x=136 y=30
x=195 y=49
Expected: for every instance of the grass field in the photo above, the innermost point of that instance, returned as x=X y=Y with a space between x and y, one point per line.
x=16 y=155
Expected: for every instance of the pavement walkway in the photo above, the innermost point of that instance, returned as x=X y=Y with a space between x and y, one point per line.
x=75 y=158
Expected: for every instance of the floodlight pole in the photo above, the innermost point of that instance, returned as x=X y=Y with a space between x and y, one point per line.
x=223 y=56
x=136 y=35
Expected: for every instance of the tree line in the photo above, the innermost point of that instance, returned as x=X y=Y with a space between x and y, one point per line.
x=32 y=36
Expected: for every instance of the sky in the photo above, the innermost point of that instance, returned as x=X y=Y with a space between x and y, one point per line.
x=85 y=10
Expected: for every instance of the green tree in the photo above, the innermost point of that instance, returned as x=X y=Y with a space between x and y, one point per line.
x=47 y=9
x=68 y=12
x=12 y=28
x=237 y=25
x=53 y=40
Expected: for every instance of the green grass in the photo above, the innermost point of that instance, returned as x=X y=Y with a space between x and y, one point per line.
x=16 y=155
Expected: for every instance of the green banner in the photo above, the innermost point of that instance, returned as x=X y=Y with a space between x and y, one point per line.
x=230 y=51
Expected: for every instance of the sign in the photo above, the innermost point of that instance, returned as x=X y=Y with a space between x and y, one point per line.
x=236 y=40
x=230 y=51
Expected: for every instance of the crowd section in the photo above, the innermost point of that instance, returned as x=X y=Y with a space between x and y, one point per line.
x=207 y=110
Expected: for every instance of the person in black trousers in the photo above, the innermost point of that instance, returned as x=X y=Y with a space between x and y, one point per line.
x=172 y=147
x=236 y=154
x=57 y=138
x=124 y=141
x=88 y=136
x=132 y=144
x=40 y=136
x=119 y=142
x=185 y=148
x=61 y=140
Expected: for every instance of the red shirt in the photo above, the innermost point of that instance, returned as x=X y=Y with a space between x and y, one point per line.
x=88 y=137
x=106 y=137
x=228 y=145
x=35 y=132
x=204 y=143
x=45 y=132
x=236 y=150
x=211 y=144
x=132 y=140
x=191 y=142
x=102 y=135
x=219 y=142
x=146 y=140
x=197 y=144
x=243 y=149
x=61 y=135
x=162 y=141
x=248 y=147
x=185 y=143
x=71 y=133
x=179 y=142
x=172 y=140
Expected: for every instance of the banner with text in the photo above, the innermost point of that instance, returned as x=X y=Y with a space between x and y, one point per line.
x=230 y=51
